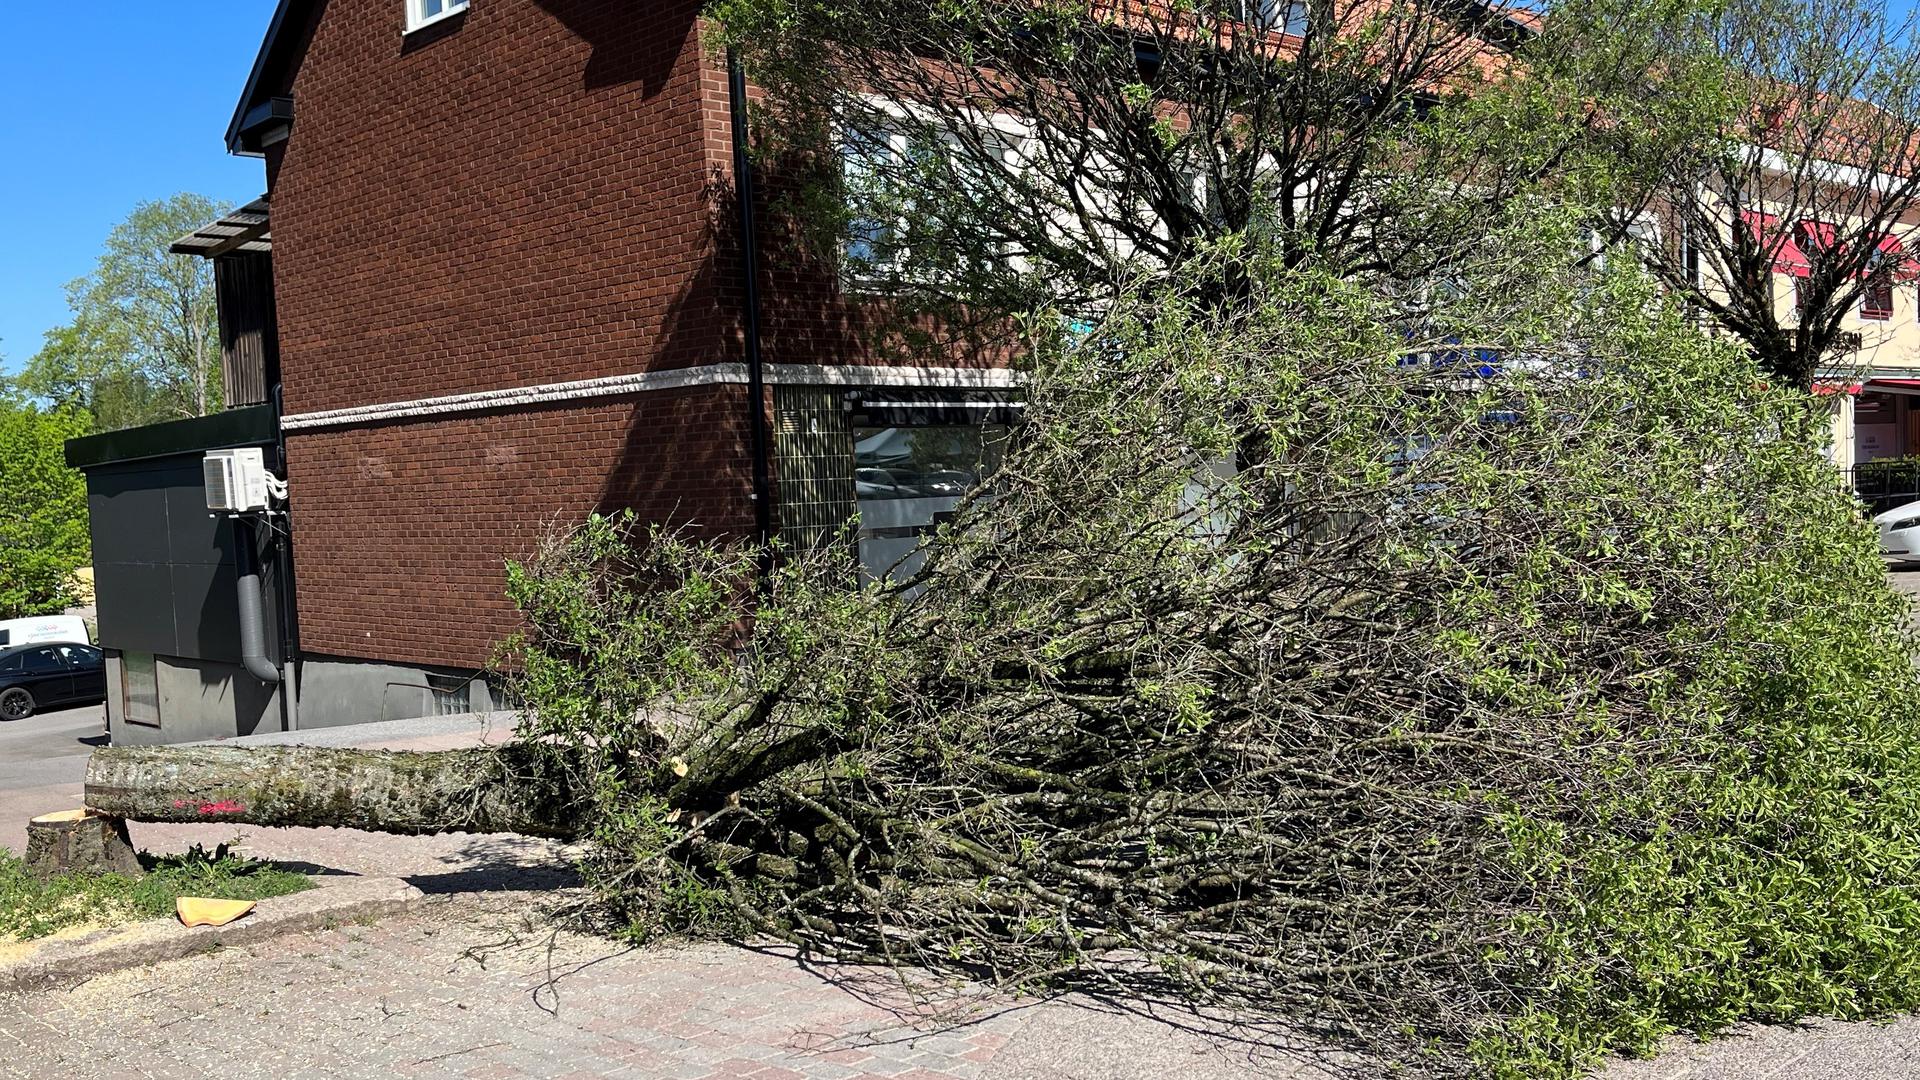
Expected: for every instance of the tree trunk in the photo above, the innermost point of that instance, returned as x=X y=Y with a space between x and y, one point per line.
x=511 y=789
x=80 y=842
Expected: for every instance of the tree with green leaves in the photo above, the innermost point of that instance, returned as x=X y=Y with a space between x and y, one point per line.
x=1482 y=726
x=144 y=343
x=993 y=154
x=43 y=509
x=1816 y=175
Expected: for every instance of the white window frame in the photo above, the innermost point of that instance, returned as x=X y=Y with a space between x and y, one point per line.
x=1642 y=232
x=897 y=143
x=1289 y=17
x=418 y=19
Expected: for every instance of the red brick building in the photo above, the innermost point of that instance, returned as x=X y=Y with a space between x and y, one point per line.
x=496 y=283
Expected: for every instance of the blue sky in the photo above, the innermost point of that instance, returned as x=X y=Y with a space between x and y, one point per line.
x=103 y=106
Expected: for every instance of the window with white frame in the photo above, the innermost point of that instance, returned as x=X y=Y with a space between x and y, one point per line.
x=427 y=12
x=893 y=229
x=1642 y=234
x=1283 y=16
x=869 y=160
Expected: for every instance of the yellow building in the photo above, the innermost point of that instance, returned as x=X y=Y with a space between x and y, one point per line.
x=1873 y=379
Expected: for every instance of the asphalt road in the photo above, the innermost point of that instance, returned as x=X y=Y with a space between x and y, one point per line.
x=42 y=760
x=51 y=735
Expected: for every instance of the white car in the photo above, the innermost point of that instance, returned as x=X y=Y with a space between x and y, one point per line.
x=1900 y=531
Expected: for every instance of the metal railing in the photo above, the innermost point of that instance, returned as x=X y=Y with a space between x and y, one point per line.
x=1883 y=485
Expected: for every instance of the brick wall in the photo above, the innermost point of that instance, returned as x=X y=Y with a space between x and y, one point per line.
x=403 y=531
x=538 y=191
x=517 y=197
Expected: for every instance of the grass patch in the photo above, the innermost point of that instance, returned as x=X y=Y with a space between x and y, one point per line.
x=31 y=908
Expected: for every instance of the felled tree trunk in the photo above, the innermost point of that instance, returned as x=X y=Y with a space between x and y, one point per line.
x=79 y=842
x=511 y=789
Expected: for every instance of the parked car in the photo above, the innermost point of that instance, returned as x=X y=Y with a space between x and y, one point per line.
x=1900 y=530
x=35 y=677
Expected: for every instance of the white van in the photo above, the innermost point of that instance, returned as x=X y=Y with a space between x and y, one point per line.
x=68 y=629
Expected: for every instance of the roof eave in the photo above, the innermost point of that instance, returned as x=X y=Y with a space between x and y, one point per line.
x=249 y=103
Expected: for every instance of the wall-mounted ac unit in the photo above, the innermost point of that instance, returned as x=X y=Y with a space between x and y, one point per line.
x=236 y=480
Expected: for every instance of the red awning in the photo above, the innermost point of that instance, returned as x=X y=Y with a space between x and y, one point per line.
x=1777 y=244
x=1825 y=388
x=1816 y=236
x=1903 y=384
x=1905 y=267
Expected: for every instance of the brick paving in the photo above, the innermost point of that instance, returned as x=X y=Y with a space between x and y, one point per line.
x=1819 y=1050
x=475 y=988
x=469 y=990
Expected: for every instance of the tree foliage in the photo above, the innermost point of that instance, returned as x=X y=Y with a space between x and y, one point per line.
x=994 y=154
x=144 y=344
x=1478 y=690
x=43 y=510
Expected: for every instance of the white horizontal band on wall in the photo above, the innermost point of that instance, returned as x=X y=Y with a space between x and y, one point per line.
x=679 y=378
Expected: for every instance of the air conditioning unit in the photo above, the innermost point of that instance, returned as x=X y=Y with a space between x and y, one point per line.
x=237 y=480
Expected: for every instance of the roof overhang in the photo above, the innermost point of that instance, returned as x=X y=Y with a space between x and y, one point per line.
x=246 y=231
x=253 y=425
x=265 y=113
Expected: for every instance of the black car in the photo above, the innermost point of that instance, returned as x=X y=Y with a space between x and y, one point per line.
x=36 y=677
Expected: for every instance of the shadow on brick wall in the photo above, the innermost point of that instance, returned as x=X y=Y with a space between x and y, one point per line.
x=629 y=45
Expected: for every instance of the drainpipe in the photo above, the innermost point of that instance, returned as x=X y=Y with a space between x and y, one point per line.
x=253 y=621
x=283 y=578
x=750 y=283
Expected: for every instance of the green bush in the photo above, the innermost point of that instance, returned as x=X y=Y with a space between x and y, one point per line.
x=1480 y=725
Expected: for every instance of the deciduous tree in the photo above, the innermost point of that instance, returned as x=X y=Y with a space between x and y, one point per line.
x=144 y=344
x=1815 y=175
x=990 y=154
x=1471 y=731
x=43 y=509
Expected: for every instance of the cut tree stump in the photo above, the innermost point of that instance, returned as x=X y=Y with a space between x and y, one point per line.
x=80 y=842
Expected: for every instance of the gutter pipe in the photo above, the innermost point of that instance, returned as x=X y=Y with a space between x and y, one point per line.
x=750 y=284
x=253 y=621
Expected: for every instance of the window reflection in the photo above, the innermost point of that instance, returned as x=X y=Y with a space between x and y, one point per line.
x=923 y=462
x=908 y=478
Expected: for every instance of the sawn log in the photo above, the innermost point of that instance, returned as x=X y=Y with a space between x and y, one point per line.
x=510 y=789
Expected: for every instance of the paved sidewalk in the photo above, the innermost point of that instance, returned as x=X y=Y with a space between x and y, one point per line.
x=1819 y=1050
x=445 y=994
x=468 y=989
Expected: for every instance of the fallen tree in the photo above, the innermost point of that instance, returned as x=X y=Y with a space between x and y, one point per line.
x=1483 y=687
x=408 y=792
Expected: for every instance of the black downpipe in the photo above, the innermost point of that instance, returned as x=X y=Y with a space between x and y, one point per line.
x=750 y=282
x=283 y=581
x=253 y=619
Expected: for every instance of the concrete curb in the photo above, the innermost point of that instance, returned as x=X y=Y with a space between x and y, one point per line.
x=62 y=963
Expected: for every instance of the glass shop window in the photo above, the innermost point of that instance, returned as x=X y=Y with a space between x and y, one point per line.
x=1871 y=408
x=923 y=462
x=907 y=479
